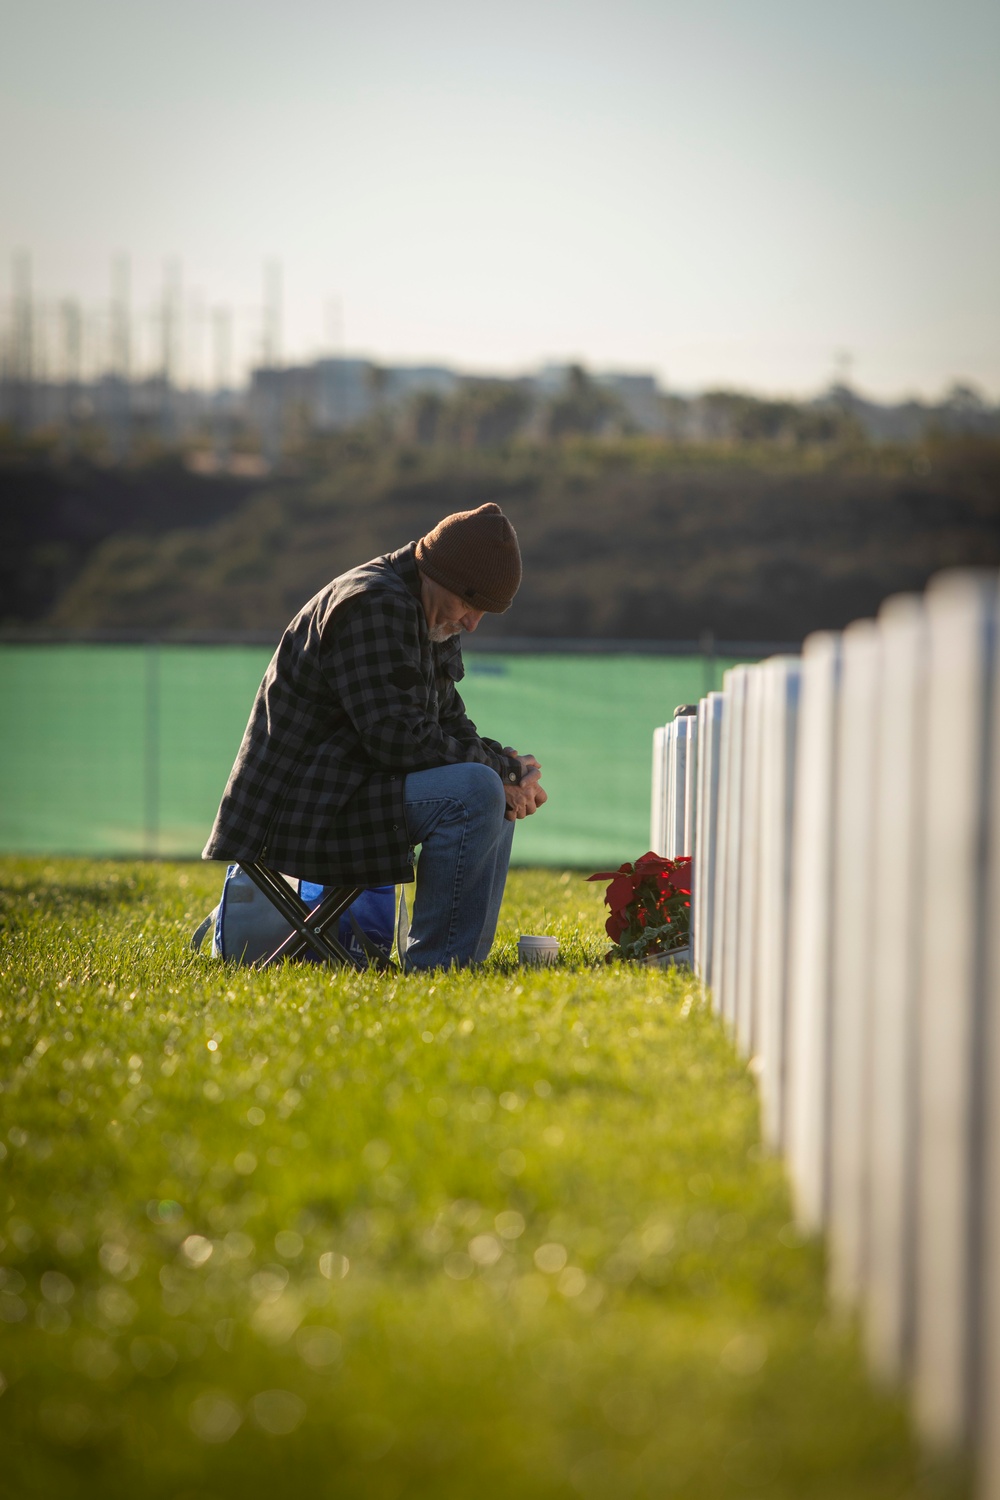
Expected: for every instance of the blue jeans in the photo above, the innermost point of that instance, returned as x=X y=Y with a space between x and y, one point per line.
x=456 y=815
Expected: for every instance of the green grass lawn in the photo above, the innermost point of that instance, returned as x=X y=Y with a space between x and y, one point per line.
x=462 y=1237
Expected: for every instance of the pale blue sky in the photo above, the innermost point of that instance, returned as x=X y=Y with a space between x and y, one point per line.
x=727 y=191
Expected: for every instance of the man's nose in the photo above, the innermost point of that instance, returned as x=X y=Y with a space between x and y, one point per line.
x=471 y=619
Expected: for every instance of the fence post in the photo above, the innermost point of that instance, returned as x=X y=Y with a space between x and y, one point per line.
x=896 y=885
x=779 y=714
x=810 y=938
x=850 y=996
x=706 y=832
x=151 y=749
x=962 y=620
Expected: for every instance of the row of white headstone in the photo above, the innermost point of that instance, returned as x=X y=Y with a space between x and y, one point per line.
x=843 y=812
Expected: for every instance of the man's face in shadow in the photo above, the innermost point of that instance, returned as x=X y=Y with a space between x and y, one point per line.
x=446 y=613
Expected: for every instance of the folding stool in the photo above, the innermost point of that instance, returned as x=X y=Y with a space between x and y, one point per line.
x=310 y=928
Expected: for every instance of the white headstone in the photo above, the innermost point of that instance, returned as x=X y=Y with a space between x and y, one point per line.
x=896 y=886
x=962 y=620
x=680 y=744
x=691 y=787
x=658 y=802
x=721 y=847
x=684 y=741
x=670 y=788
x=988 y=1394
x=779 y=714
x=728 y=868
x=748 y=887
x=810 y=936
x=852 y=957
x=706 y=834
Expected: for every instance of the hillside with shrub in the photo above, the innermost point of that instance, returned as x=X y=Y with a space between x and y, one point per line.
x=626 y=538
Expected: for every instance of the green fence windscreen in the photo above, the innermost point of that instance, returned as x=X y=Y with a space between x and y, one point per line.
x=125 y=750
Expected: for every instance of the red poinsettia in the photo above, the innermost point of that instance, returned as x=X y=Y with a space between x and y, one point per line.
x=650 y=903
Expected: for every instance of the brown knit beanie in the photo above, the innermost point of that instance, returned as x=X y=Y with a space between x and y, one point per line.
x=474 y=553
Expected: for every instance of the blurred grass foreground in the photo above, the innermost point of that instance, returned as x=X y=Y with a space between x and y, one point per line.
x=448 y=1236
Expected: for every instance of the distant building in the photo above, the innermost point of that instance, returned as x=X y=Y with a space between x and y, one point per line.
x=343 y=393
x=339 y=392
x=641 y=397
x=282 y=402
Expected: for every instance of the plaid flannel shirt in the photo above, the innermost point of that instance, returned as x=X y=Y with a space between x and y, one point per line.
x=355 y=697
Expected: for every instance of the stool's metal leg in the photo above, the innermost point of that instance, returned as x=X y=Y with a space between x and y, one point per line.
x=315 y=926
x=307 y=932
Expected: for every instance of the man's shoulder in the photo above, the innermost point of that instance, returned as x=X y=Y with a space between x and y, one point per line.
x=381 y=585
x=393 y=573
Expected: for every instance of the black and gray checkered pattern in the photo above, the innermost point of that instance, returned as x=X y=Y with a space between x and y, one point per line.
x=354 y=698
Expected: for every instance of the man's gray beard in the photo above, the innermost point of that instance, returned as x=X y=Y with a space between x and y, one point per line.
x=439 y=633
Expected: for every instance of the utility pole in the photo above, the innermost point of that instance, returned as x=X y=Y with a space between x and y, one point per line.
x=120 y=359
x=222 y=368
x=71 y=371
x=271 y=389
x=22 y=343
x=170 y=350
x=271 y=350
x=843 y=365
x=334 y=403
x=194 y=397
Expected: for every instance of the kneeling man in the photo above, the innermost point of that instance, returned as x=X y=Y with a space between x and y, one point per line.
x=359 y=748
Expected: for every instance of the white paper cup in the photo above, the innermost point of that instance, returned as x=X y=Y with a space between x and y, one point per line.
x=537 y=950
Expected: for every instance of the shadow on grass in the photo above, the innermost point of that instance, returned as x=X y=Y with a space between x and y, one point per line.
x=25 y=896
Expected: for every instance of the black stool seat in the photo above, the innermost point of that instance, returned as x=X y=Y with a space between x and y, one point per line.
x=310 y=928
